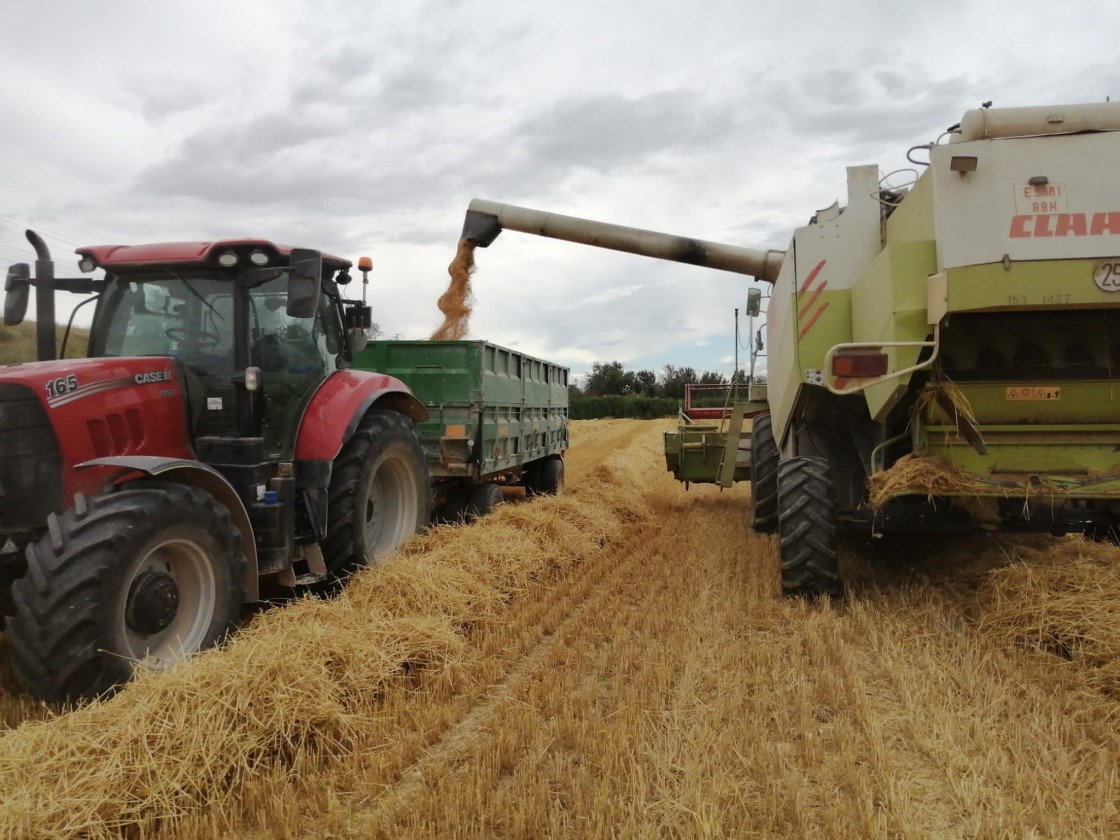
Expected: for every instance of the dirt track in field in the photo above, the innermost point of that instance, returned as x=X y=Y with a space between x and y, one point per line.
x=659 y=687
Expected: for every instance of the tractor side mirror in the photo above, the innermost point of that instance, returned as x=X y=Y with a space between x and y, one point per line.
x=17 y=291
x=754 y=301
x=304 y=281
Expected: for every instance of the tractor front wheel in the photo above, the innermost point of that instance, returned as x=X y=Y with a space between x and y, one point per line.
x=807 y=528
x=380 y=492
x=138 y=578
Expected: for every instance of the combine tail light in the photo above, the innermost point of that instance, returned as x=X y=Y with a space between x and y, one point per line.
x=258 y=258
x=227 y=259
x=854 y=365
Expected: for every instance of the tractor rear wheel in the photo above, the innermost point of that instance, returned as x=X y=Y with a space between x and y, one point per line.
x=138 y=578
x=764 y=476
x=807 y=529
x=380 y=493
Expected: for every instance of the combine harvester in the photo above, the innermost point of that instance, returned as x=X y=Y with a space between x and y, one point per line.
x=231 y=437
x=943 y=356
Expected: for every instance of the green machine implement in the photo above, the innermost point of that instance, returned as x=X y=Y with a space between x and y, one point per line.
x=943 y=351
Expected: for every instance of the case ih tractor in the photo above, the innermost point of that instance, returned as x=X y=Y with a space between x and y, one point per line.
x=943 y=356
x=213 y=447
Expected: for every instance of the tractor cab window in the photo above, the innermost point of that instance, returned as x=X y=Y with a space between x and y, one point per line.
x=187 y=317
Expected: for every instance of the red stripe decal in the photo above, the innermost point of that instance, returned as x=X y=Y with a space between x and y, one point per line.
x=812 y=276
x=807 y=305
x=809 y=324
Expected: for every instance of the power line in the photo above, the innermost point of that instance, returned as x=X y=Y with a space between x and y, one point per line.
x=12 y=223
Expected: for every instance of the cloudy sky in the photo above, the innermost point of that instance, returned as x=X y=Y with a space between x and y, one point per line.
x=366 y=127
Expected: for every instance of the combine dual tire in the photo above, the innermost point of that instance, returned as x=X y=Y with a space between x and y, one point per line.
x=807 y=528
x=141 y=577
x=764 y=476
x=379 y=494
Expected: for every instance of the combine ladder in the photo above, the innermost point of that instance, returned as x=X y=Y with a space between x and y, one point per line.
x=727 y=460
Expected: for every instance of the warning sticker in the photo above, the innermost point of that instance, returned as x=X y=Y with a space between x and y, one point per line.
x=1034 y=392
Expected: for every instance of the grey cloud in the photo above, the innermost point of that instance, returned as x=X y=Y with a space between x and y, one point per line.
x=606 y=130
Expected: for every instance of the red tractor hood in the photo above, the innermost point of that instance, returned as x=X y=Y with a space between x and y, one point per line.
x=105 y=407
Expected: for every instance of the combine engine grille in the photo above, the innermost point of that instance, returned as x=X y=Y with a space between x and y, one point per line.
x=30 y=463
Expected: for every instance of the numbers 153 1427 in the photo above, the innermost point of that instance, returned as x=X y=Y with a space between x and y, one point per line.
x=1052 y=299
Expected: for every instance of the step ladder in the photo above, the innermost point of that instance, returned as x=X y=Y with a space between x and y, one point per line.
x=725 y=477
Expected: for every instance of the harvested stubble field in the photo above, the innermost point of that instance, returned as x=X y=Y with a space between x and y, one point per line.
x=617 y=663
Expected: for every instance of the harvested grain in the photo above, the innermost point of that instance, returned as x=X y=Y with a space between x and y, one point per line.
x=455 y=303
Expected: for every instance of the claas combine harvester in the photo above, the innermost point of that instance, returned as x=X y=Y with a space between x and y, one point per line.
x=942 y=356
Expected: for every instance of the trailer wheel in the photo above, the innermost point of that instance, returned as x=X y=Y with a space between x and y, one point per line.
x=547 y=477
x=141 y=577
x=764 y=476
x=380 y=492
x=483 y=499
x=807 y=528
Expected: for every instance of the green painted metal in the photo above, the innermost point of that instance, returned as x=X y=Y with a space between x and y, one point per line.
x=713 y=453
x=493 y=409
x=731 y=446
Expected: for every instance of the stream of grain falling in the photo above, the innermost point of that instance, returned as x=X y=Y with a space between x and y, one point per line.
x=455 y=303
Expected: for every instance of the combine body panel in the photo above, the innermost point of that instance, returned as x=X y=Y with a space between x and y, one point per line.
x=941 y=355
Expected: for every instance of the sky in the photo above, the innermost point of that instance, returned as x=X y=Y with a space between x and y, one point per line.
x=366 y=127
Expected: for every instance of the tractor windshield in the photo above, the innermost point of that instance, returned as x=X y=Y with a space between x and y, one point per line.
x=201 y=318
x=188 y=316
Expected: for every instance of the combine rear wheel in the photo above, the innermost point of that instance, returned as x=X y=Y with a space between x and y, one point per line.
x=764 y=476
x=142 y=577
x=807 y=528
x=379 y=495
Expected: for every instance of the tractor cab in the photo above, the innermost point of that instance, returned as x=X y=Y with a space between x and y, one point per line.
x=253 y=329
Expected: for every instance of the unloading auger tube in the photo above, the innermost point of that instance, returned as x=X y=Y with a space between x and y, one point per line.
x=486 y=219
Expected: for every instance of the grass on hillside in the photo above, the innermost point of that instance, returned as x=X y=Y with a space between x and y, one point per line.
x=17 y=344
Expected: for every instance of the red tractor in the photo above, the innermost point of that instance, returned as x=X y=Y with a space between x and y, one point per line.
x=212 y=449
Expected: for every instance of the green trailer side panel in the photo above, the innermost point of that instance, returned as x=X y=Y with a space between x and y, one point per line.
x=492 y=409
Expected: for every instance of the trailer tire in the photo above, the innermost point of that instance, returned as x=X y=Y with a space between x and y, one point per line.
x=764 y=476
x=547 y=477
x=808 y=553
x=380 y=493
x=483 y=499
x=141 y=577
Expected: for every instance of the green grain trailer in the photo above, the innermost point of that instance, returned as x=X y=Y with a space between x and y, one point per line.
x=497 y=418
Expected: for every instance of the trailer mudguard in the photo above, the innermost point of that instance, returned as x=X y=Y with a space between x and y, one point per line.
x=205 y=478
x=333 y=414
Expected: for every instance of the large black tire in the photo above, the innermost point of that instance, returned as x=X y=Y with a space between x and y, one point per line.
x=764 y=476
x=546 y=477
x=380 y=493
x=141 y=577
x=807 y=528
x=483 y=499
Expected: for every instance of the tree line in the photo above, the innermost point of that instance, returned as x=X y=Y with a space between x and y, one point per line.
x=610 y=390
